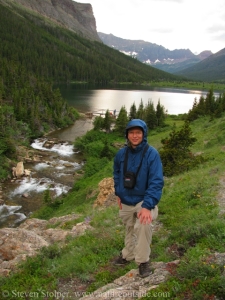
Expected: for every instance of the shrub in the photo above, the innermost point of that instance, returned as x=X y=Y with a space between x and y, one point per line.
x=94 y=165
x=175 y=154
x=98 y=123
x=107 y=151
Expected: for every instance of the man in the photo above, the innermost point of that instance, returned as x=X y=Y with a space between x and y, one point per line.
x=137 y=202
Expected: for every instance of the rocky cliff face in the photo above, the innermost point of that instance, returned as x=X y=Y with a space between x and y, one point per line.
x=72 y=15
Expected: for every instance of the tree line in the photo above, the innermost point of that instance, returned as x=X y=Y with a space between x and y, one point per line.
x=153 y=117
x=210 y=105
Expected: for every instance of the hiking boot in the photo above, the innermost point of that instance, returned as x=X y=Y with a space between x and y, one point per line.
x=120 y=261
x=144 y=269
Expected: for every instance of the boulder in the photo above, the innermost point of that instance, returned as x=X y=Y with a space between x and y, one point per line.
x=27 y=172
x=18 y=171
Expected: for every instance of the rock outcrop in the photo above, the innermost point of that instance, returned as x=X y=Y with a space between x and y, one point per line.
x=132 y=286
x=16 y=244
x=106 y=196
x=77 y=17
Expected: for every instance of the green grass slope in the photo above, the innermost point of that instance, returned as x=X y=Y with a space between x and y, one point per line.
x=192 y=226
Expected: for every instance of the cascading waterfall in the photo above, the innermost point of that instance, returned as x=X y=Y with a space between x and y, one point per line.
x=64 y=149
x=55 y=173
x=9 y=214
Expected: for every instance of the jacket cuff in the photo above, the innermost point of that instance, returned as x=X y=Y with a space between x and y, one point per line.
x=146 y=206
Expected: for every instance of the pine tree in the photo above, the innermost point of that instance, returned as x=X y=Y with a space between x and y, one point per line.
x=150 y=115
x=160 y=114
x=133 y=112
x=193 y=113
x=121 y=121
x=140 y=111
x=107 y=121
x=98 y=123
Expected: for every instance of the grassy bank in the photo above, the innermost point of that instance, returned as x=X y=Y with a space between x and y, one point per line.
x=204 y=86
x=191 y=230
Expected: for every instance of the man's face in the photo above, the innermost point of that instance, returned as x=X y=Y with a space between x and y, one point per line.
x=135 y=136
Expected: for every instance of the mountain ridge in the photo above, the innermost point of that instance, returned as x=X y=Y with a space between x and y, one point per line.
x=211 y=68
x=155 y=55
x=77 y=17
x=58 y=54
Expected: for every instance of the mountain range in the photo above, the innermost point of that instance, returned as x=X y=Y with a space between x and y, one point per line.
x=153 y=54
x=205 y=66
x=56 y=40
x=77 y=18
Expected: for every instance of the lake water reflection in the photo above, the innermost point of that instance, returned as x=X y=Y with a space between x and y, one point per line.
x=175 y=101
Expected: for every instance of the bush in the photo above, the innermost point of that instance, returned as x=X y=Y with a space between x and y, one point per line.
x=91 y=136
x=176 y=155
x=108 y=151
x=94 y=165
x=98 y=123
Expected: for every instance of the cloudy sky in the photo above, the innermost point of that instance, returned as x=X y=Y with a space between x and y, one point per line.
x=197 y=25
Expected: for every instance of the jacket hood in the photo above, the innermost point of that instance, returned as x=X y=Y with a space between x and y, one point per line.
x=138 y=123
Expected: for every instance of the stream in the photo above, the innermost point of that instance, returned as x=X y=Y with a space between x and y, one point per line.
x=54 y=171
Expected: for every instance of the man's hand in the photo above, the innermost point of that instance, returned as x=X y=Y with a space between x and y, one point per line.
x=145 y=216
x=119 y=203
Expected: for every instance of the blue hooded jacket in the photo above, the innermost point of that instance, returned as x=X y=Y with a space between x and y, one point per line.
x=149 y=181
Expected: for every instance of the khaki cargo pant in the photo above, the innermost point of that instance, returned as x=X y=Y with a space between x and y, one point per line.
x=138 y=237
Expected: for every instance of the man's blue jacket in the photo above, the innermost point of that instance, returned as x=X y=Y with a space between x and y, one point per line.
x=149 y=182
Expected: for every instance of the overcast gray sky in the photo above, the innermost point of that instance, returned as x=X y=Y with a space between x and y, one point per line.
x=197 y=25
